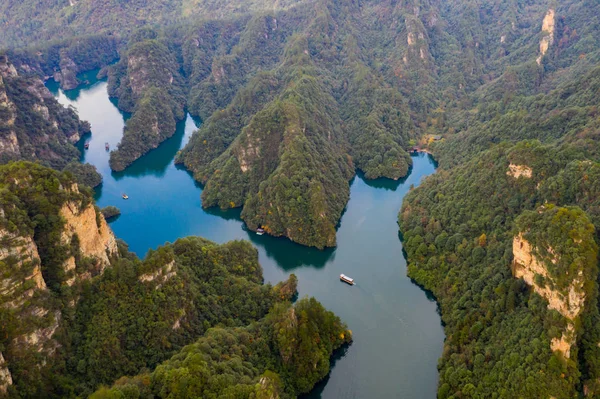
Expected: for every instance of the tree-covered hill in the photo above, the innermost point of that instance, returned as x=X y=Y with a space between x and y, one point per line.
x=78 y=310
x=34 y=21
x=461 y=231
x=35 y=127
x=388 y=73
x=294 y=95
x=281 y=356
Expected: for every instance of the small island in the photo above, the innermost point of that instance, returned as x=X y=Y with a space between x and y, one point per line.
x=110 y=213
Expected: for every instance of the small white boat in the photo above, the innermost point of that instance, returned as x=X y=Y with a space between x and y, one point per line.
x=125 y=196
x=346 y=279
x=260 y=231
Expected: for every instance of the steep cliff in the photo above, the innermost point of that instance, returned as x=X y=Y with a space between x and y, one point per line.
x=5 y=377
x=96 y=243
x=68 y=291
x=51 y=238
x=64 y=60
x=459 y=232
x=547 y=34
x=148 y=83
x=555 y=253
x=34 y=126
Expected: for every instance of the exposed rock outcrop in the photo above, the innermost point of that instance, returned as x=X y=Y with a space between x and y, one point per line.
x=33 y=125
x=5 y=376
x=533 y=271
x=548 y=34
x=19 y=254
x=96 y=240
x=67 y=76
x=564 y=343
x=527 y=266
x=24 y=291
x=517 y=171
x=161 y=275
x=555 y=253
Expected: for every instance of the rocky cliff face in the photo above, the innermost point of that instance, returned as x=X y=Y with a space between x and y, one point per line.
x=533 y=271
x=517 y=171
x=555 y=254
x=547 y=34
x=569 y=304
x=5 y=376
x=527 y=266
x=29 y=279
x=67 y=75
x=95 y=239
x=33 y=125
x=24 y=294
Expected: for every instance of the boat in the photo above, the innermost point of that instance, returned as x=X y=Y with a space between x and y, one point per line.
x=125 y=196
x=86 y=145
x=106 y=146
x=260 y=231
x=346 y=279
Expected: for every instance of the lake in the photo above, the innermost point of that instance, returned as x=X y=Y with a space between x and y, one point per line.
x=398 y=336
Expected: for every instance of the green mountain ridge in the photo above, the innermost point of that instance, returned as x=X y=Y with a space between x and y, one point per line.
x=78 y=310
x=295 y=95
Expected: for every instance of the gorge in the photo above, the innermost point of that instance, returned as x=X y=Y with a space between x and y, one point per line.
x=396 y=328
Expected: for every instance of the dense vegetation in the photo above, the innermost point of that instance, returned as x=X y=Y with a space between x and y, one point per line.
x=460 y=247
x=27 y=22
x=95 y=328
x=35 y=127
x=147 y=83
x=294 y=97
x=65 y=59
x=281 y=356
x=458 y=226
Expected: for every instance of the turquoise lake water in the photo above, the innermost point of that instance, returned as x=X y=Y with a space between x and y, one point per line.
x=398 y=336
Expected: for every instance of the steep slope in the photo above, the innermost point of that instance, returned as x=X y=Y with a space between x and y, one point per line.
x=284 y=355
x=463 y=230
x=147 y=83
x=63 y=60
x=35 y=127
x=55 y=20
x=382 y=66
x=78 y=310
x=52 y=239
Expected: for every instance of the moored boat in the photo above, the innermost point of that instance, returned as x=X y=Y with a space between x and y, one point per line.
x=346 y=279
x=260 y=231
x=86 y=145
x=106 y=146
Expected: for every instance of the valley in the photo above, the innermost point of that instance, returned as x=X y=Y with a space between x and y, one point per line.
x=390 y=317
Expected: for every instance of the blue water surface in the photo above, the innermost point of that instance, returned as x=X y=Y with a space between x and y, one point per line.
x=398 y=335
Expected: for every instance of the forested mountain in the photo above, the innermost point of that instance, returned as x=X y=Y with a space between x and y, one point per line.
x=34 y=126
x=347 y=84
x=294 y=95
x=47 y=20
x=296 y=341
x=78 y=310
x=505 y=235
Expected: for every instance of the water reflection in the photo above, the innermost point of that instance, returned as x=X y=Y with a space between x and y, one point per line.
x=318 y=390
x=397 y=331
x=289 y=255
x=156 y=162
